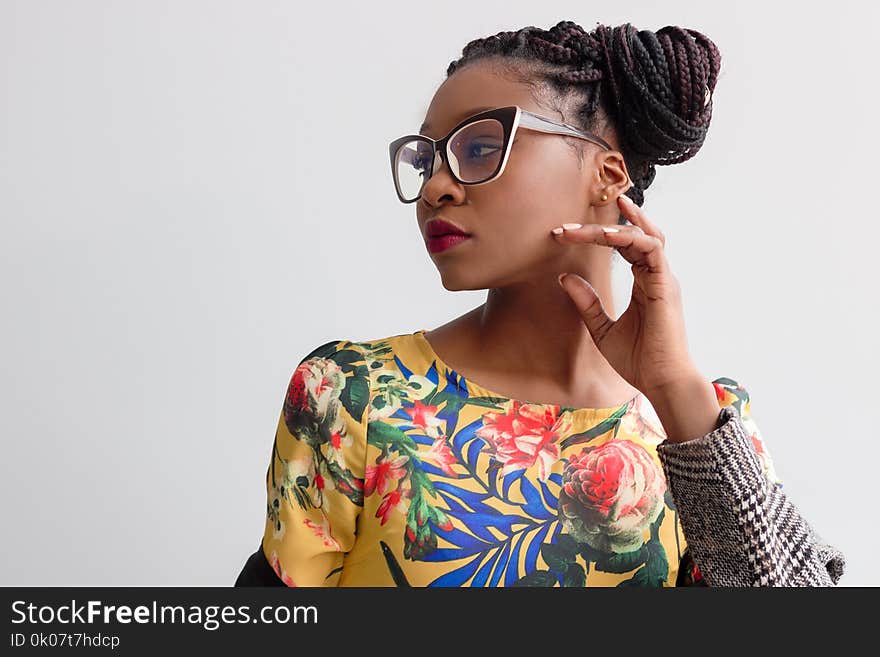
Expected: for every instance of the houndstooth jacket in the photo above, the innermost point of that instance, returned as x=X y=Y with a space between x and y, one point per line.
x=740 y=527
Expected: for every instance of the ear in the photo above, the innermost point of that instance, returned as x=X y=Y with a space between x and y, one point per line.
x=613 y=176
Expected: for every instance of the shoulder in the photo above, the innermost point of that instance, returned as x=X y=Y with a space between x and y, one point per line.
x=355 y=371
x=322 y=429
x=362 y=351
x=331 y=377
x=339 y=351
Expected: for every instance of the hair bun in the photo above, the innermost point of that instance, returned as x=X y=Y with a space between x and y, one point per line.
x=661 y=87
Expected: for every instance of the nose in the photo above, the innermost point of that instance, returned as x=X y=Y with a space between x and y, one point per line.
x=438 y=164
x=449 y=187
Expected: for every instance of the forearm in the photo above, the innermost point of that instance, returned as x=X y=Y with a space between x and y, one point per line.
x=687 y=409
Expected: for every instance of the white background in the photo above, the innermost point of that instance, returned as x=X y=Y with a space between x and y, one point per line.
x=193 y=195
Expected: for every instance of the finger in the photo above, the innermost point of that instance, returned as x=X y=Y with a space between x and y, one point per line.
x=638 y=217
x=588 y=304
x=633 y=244
x=593 y=233
x=641 y=249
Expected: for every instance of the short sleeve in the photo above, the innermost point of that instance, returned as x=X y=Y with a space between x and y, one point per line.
x=315 y=478
x=739 y=524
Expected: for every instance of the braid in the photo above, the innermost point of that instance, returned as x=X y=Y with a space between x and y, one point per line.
x=656 y=86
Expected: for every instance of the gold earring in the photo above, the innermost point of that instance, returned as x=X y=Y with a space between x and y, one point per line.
x=604 y=197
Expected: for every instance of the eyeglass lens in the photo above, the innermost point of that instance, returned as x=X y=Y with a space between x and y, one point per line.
x=475 y=154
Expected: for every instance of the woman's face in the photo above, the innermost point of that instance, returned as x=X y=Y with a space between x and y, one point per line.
x=510 y=218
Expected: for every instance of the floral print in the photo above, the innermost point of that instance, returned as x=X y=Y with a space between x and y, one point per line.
x=523 y=435
x=611 y=494
x=390 y=469
x=276 y=566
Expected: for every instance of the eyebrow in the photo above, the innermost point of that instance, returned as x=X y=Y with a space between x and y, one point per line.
x=470 y=112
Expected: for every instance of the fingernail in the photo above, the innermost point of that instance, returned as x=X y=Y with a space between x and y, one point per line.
x=572 y=226
x=627 y=199
x=557 y=231
x=608 y=229
x=559 y=278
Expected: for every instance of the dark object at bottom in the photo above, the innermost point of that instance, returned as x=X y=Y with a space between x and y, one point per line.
x=257 y=571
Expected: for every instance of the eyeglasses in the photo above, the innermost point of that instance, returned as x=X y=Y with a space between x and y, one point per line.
x=476 y=149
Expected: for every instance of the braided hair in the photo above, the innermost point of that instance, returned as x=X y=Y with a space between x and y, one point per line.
x=656 y=87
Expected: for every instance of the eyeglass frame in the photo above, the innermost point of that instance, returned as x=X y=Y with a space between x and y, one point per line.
x=511 y=117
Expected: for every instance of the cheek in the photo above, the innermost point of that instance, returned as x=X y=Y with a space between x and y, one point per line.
x=543 y=192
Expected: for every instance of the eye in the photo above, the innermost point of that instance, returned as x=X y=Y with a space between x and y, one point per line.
x=477 y=149
x=421 y=163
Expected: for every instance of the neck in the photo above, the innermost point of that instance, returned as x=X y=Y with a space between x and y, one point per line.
x=536 y=328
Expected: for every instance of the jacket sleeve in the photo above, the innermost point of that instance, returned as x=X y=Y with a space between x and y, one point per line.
x=315 y=477
x=740 y=527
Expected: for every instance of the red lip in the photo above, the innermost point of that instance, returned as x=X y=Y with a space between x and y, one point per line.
x=443 y=242
x=438 y=226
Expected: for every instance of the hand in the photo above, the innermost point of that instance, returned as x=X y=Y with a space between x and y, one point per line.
x=647 y=344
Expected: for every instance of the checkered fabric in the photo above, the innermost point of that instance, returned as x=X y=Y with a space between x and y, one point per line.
x=740 y=526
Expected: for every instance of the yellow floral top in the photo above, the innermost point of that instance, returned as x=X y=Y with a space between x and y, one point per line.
x=390 y=469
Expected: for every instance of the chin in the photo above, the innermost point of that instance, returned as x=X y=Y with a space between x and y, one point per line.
x=455 y=282
x=458 y=286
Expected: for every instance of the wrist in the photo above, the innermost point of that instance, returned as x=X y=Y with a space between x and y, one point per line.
x=673 y=383
x=687 y=407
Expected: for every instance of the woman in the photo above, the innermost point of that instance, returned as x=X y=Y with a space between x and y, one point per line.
x=535 y=440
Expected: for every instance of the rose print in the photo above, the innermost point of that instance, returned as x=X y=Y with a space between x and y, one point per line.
x=311 y=406
x=610 y=494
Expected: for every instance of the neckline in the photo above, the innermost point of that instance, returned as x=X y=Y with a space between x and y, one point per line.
x=484 y=391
